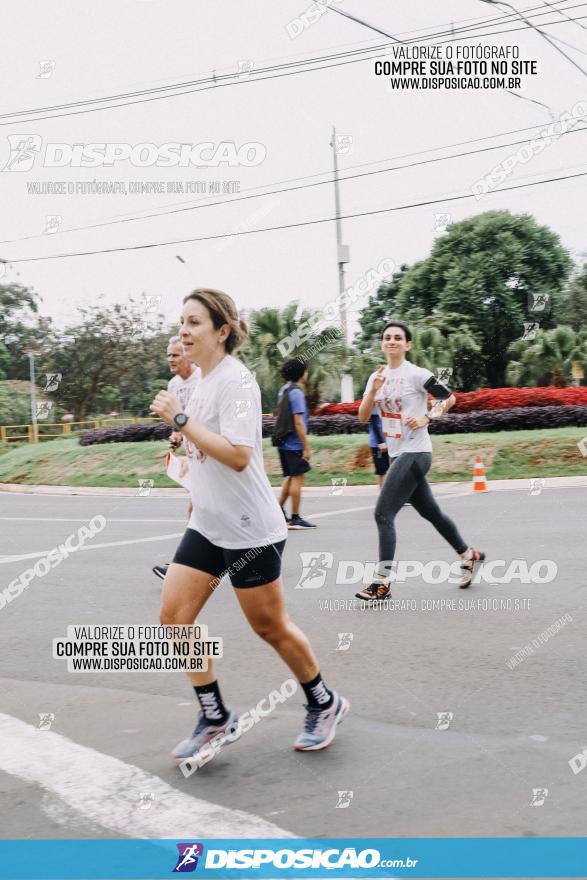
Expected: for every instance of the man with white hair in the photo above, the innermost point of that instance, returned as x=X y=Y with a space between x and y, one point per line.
x=186 y=375
x=182 y=384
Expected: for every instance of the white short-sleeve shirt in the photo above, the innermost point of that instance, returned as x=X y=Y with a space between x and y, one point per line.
x=232 y=509
x=401 y=396
x=184 y=388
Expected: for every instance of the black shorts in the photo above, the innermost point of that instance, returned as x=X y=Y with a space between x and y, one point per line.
x=249 y=567
x=292 y=463
x=380 y=460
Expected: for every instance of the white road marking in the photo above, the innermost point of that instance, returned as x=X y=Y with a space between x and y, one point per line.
x=344 y=510
x=4 y=559
x=105 y=790
x=19 y=558
x=85 y=518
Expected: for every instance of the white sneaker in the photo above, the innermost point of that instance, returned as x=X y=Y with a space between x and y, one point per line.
x=320 y=725
x=203 y=733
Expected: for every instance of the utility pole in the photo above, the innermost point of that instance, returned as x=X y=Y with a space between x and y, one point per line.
x=342 y=256
x=31 y=353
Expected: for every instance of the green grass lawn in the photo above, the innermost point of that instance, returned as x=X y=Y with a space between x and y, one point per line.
x=507 y=454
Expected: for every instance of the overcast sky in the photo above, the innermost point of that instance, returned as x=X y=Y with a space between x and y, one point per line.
x=112 y=48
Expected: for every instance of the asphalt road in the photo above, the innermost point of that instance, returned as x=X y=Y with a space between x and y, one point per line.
x=102 y=769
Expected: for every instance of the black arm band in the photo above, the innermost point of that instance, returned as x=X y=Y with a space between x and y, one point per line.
x=437 y=389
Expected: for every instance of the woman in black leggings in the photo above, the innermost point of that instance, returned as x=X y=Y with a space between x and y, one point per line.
x=400 y=391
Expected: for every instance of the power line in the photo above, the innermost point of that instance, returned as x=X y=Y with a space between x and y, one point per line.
x=129 y=216
x=216 y=78
x=364 y=23
x=538 y=31
x=290 y=225
x=216 y=82
x=297 y=179
x=509 y=91
x=564 y=15
x=180 y=210
x=570 y=45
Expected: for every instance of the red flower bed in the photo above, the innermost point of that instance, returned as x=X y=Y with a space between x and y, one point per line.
x=506 y=398
x=487 y=398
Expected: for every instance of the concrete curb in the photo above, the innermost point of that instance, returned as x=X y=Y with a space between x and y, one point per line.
x=519 y=485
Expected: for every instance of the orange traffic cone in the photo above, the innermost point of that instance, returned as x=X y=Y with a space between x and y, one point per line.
x=479 y=481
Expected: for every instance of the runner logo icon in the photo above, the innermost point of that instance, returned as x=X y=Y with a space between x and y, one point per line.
x=187 y=860
x=314 y=566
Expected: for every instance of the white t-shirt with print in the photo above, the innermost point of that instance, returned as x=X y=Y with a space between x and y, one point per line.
x=184 y=388
x=402 y=396
x=232 y=509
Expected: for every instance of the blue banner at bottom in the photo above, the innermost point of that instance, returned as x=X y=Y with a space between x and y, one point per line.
x=305 y=858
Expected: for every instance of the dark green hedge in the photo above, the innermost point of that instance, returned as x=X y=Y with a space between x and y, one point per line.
x=514 y=419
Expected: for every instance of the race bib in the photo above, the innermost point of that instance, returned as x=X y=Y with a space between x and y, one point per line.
x=391 y=425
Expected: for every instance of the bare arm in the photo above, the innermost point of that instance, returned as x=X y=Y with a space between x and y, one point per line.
x=441 y=407
x=167 y=406
x=300 y=430
x=368 y=401
x=218 y=447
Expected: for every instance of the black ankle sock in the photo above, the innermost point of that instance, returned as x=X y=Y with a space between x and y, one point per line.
x=317 y=694
x=211 y=703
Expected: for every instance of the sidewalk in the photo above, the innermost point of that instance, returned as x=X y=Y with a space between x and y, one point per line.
x=311 y=491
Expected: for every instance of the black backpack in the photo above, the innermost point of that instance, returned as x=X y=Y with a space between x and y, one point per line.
x=284 y=423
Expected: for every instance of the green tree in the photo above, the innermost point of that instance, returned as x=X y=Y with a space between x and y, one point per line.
x=15 y=403
x=458 y=347
x=573 y=308
x=108 y=359
x=547 y=359
x=481 y=274
x=19 y=327
x=4 y=361
x=484 y=269
x=382 y=305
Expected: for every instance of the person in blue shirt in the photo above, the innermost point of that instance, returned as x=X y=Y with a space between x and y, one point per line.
x=378 y=446
x=294 y=452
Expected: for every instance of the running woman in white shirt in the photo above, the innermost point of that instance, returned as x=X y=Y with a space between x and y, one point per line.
x=400 y=391
x=183 y=382
x=236 y=526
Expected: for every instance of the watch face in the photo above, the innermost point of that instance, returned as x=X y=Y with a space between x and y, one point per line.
x=180 y=420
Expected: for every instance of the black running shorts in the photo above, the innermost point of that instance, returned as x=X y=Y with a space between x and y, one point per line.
x=249 y=567
x=292 y=463
x=380 y=460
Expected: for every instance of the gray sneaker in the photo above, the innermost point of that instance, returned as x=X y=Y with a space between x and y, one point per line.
x=203 y=733
x=320 y=725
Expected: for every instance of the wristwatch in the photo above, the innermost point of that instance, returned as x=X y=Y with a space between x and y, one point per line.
x=180 y=420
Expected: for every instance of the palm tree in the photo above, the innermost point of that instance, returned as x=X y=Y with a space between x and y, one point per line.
x=290 y=327
x=548 y=358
